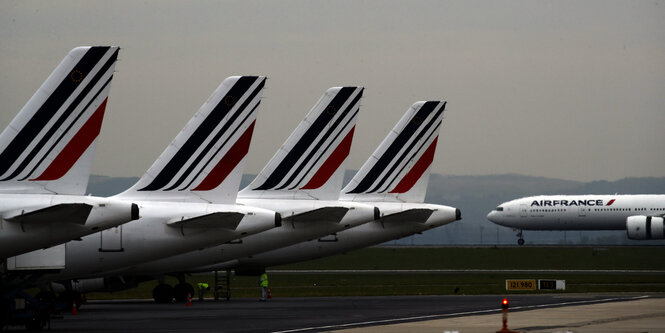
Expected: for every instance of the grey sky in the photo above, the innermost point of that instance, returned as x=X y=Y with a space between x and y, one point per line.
x=566 y=89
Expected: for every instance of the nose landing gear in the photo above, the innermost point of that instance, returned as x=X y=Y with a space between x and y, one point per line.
x=520 y=241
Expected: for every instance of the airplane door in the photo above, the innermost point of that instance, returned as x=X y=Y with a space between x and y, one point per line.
x=111 y=240
x=523 y=210
x=582 y=211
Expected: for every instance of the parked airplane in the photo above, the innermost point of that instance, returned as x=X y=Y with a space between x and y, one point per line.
x=301 y=182
x=394 y=179
x=187 y=197
x=46 y=156
x=640 y=215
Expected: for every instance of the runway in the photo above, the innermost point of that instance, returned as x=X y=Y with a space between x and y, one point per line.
x=361 y=314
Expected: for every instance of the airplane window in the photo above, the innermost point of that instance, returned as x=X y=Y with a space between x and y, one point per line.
x=499 y=209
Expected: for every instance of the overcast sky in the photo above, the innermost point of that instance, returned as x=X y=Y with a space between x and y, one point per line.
x=564 y=89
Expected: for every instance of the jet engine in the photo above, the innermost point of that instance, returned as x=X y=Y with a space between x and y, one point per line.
x=645 y=227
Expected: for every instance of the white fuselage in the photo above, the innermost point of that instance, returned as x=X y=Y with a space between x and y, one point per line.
x=367 y=234
x=288 y=233
x=17 y=238
x=576 y=212
x=151 y=237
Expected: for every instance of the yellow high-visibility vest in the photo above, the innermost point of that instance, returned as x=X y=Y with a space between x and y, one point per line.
x=264 y=280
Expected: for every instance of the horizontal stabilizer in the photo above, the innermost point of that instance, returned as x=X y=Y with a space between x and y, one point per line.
x=325 y=214
x=418 y=215
x=70 y=212
x=227 y=220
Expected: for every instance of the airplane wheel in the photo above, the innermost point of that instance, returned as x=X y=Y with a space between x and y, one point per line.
x=181 y=290
x=520 y=241
x=163 y=293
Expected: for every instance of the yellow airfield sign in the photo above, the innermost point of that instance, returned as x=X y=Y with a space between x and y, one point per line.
x=521 y=285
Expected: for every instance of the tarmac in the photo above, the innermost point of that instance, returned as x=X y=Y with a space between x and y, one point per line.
x=552 y=312
x=641 y=315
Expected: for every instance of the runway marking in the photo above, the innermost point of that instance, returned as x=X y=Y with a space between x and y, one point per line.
x=595 y=322
x=457 y=314
x=383 y=271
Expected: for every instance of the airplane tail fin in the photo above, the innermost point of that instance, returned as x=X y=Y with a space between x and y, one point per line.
x=399 y=169
x=205 y=162
x=310 y=164
x=49 y=146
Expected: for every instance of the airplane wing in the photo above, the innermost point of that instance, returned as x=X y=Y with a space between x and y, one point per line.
x=68 y=212
x=325 y=214
x=419 y=215
x=227 y=220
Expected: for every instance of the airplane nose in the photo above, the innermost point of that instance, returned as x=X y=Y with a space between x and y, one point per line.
x=492 y=216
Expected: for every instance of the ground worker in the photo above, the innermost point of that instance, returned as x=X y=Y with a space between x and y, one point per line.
x=263 y=282
x=202 y=289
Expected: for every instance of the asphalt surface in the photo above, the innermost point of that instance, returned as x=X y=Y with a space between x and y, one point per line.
x=301 y=314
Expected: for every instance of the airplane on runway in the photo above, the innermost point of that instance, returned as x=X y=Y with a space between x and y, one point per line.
x=394 y=179
x=187 y=197
x=301 y=182
x=46 y=156
x=640 y=215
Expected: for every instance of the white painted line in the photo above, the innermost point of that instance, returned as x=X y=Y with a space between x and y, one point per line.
x=457 y=314
x=348 y=271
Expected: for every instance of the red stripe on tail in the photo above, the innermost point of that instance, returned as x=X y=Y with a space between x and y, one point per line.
x=224 y=167
x=418 y=169
x=76 y=146
x=331 y=164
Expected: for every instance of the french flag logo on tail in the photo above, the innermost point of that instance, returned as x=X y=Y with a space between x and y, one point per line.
x=50 y=144
x=204 y=163
x=310 y=164
x=399 y=168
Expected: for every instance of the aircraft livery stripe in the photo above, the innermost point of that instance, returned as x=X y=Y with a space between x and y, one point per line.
x=416 y=152
x=230 y=160
x=403 y=160
x=67 y=114
x=310 y=135
x=200 y=134
x=394 y=148
x=76 y=147
x=316 y=149
x=327 y=149
x=331 y=164
x=212 y=156
x=47 y=110
x=417 y=170
x=405 y=153
x=197 y=161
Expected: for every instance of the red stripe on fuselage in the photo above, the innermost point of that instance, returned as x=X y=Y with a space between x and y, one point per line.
x=331 y=164
x=76 y=146
x=417 y=171
x=224 y=167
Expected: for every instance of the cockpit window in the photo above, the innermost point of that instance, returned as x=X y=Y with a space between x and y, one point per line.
x=499 y=209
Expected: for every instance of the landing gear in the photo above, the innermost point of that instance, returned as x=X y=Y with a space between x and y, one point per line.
x=163 y=293
x=182 y=290
x=520 y=241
